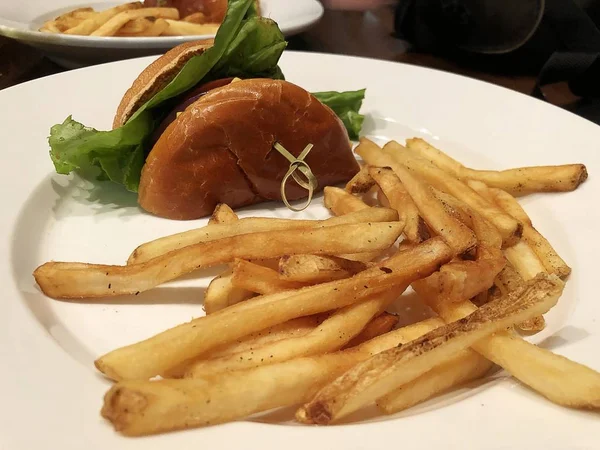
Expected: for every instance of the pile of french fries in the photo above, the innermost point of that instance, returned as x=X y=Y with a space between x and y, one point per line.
x=129 y=20
x=299 y=315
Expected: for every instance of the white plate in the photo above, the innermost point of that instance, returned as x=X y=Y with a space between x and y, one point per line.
x=51 y=394
x=21 y=20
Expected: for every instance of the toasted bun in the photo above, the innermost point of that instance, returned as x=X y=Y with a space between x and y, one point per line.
x=156 y=76
x=220 y=149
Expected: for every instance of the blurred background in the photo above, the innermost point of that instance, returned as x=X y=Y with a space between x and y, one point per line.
x=546 y=48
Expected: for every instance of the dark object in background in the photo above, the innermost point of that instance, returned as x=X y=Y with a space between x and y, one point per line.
x=553 y=39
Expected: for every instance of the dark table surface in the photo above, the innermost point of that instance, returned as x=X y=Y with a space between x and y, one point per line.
x=367 y=34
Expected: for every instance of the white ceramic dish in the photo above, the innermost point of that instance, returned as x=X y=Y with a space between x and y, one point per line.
x=21 y=20
x=50 y=391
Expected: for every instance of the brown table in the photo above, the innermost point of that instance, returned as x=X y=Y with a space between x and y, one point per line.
x=343 y=32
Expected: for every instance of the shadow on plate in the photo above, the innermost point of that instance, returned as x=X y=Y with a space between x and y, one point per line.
x=98 y=198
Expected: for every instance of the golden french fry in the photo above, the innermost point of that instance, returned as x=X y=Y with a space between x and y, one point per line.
x=482 y=189
x=459 y=280
x=223 y=214
x=400 y=200
x=181 y=28
x=50 y=27
x=527 y=265
x=360 y=183
x=524 y=260
x=287 y=331
x=138 y=408
x=135 y=26
x=509 y=228
x=222 y=293
x=173 y=347
x=333 y=334
x=341 y=202
x=383 y=323
x=516 y=181
x=557 y=378
x=197 y=17
x=456 y=234
x=83 y=13
x=533 y=325
x=538 y=243
x=315 y=269
x=167 y=244
x=464 y=367
x=78 y=280
x=262 y=280
x=115 y=23
x=386 y=371
x=508 y=279
x=67 y=20
x=290 y=329
x=88 y=26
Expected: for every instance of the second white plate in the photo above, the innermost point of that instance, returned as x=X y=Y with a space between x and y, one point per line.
x=21 y=20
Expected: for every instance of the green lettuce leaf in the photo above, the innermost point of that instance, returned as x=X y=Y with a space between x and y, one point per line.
x=346 y=105
x=119 y=154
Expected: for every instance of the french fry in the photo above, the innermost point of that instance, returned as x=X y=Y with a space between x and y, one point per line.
x=138 y=408
x=343 y=204
x=456 y=234
x=135 y=26
x=333 y=334
x=383 y=323
x=508 y=279
x=557 y=378
x=459 y=280
x=539 y=244
x=78 y=280
x=482 y=189
x=290 y=329
x=360 y=183
x=509 y=228
x=88 y=26
x=244 y=346
x=262 y=280
x=223 y=214
x=115 y=23
x=222 y=293
x=185 y=342
x=315 y=269
x=386 y=371
x=527 y=265
x=197 y=17
x=161 y=246
x=83 y=13
x=181 y=28
x=50 y=27
x=340 y=202
x=533 y=325
x=524 y=260
x=464 y=367
x=400 y=200
x=67 y=20
x=158 y=28
x=518 y=181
